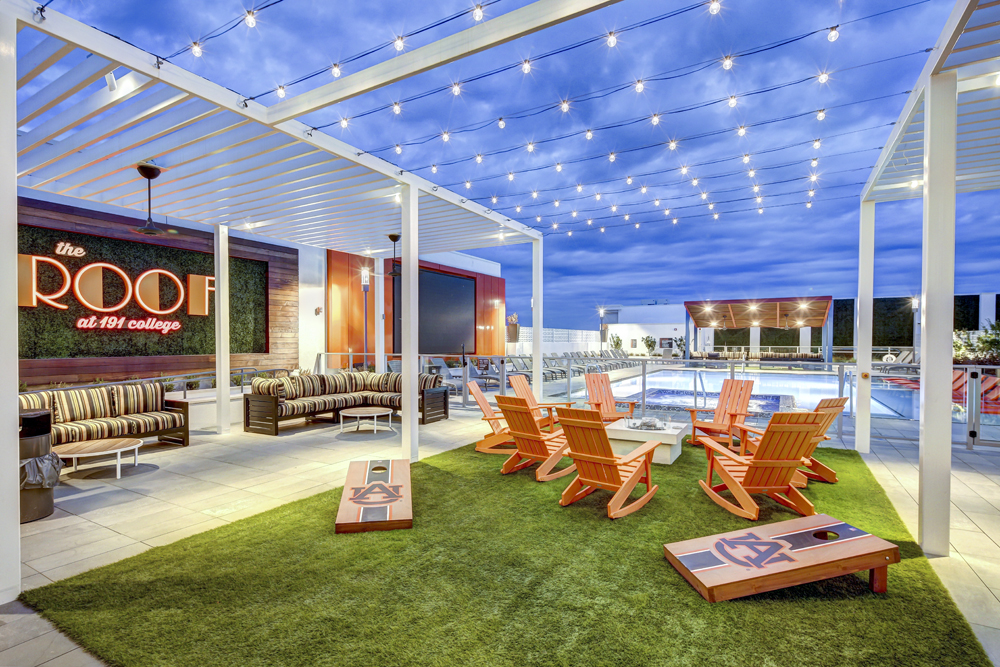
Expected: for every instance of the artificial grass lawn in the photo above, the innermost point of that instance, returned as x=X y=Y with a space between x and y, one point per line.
x=495 y=572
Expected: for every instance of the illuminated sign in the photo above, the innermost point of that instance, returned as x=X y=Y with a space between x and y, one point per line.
x=88 y=289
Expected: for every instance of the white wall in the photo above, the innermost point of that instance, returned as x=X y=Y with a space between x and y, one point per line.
x=312 y=295
x=459 y=260
x=628 y=332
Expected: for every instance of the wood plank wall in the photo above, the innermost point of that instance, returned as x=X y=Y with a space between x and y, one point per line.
x=283 y=300
x=344 y=295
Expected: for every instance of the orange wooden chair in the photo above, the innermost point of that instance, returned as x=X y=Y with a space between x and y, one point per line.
x=780 y=451
x=602 y=399
x=523 y=390
x=532 y=445
x=500 y=435
x=830 y=408
x=599 y=468
x=734 y=399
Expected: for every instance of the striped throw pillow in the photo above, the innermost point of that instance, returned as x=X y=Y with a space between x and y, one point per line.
x=308 y=386
x=267 y=387
x=40 y=400
x=337 y=383
x=77 y=404
x=133 y=399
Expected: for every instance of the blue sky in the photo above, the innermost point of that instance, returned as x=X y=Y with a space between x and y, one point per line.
x=788 y=250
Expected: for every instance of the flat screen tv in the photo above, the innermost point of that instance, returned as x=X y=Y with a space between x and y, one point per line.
x=447 y=313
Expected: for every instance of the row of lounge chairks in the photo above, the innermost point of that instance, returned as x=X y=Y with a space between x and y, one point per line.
x=485 y=371
x=756 y=356
x=775 y=461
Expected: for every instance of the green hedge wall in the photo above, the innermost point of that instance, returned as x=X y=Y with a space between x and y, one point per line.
x=48 y=333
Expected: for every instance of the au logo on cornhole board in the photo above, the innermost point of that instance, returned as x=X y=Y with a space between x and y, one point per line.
x=376 y=497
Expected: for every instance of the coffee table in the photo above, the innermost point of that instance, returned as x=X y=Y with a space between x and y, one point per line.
x=87 y=448
x=364 y=413
x=627 y=437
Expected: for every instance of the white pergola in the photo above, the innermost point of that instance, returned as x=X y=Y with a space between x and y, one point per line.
x=947 y=140
x=232 y=164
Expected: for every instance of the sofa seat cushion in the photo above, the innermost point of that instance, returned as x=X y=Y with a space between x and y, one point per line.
x=147 y=422
x=90 y=429
x=301 y=406
x=384 y=400
x=136 y=398
x=81 y=404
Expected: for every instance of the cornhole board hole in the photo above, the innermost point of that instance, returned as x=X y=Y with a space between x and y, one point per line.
x=779 y=555
x=376 y=497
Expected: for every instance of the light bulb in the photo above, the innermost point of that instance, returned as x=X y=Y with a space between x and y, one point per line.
x=656 y=202
x=714 y=7
x=666 y=211
x=518 y=208
x=914 y=185
x=477 y=13
x=556 y=202
x=579 y=187
x=534 y=194
x=812 y=193
x=399 y=149
x=343 y=123
x=704 y=195
x=637 y=225
x=684 y=171
x=643 y=189
x=531 y=147
x=834 y=34
x=398 y=198
x=752 y=173
x=814 y=162
x=756 y=188
x=250 y=19
x=746 y=158
x=396 y=108
x=628 y=181
x=398 y=43
x=612 y=40
x=598 y=196
x=335 y=70
x=602 y=230
x=639 y=86
x=813 y=177
x=564 y=106
x=614 y=208
x=555 y=225
x=468 y=184
x=742 y=131
x=809 y=204
x=196 y=50
x=760 y=210
x=558 y=166
x=445 y=136
x=817 y=144
x=821 y=114
x=611 y=157
x=479 y=158
x=456 y=89
x=626 y=216
x=570 y=233
x=727 y=62
x=281 y=92
x=711 y=206
x=510 y=176
x=590 y=222
x=673 y=145
x=538 y=218
x=716 y=216
x=694 y=181
x=574 y=214
x=732 y=101
x=494 y=199
x=675 y=221
x=502 y=123
x=823 y=77
x=655 y=120
x=760 y=199
x=526 y=66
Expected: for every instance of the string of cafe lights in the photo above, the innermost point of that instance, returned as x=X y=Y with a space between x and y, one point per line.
x=247 y=18
x=727 y=62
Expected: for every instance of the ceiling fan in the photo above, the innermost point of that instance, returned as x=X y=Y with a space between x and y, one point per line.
x=149 y=172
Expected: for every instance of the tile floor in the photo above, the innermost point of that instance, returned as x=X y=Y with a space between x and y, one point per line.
x=175 y=492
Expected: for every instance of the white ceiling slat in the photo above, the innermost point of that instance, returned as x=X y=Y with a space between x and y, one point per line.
x=128 y=87
x=67 y=85
x=45 y=54
x=365 y=197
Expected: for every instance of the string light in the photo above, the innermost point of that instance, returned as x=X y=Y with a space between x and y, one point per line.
x=716 y=216
x=711 y=206
x=445 y=136
x=656 y=202
x=343 y=123
x=752 y=173
x=821 y=114
x=694 y=182
x=672 y=145
x=684 y=170
x=590 y=135
x=556 y=202
x=196 y=50
x=398 y=43
x=742 y=131
x=704 y=195
x=760 y=199
x=574 y=214
x=526 y=66
x=456 y=89
x=714 y=7
x=502 y=123
x=510 y=176
x=281 y=92
x=555 y=225
x=612 y=41
x=813 y=177
x=564 y=105
x=531 y=147
x=335 y=70
x=627 y=216
x=477 y=13
x=398 y=198
x=727 y=62
x=538 y=218
x=494 y=199
x=534 y=194
x=812 y=193
x=558 y=166
x=571 y=232
x=637 y=225
x=732 y=101
x=434 y=169
x=602 y=230
x=479 y=158
x=598 y=196
x=614 y=208
x=611 y=157
x=823 y=77
x=590 y=222
x=518 y=208
x=817 y=144
x=809 y=204
x=399 y=149
x=675 y=221
x=251 y=18
x=639 y=86
x=396 y=108
x=666 y=212
x=643 y=189
x=756 y=188
x=628 y=181
x=834 y=34
x=468 y=184
x=815 y=162
x=746 y=158
x=760 y=210
x=655 y=120
x=579 y=187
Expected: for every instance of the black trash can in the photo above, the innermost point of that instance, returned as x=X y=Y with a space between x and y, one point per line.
x=36 y=440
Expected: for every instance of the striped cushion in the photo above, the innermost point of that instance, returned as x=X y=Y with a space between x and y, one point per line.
x=385 y=400
x=428 y=381
x=131 y=399
x=291 y=388
x=267 y=387
x=78 y=404
x=338 y=383
x=309 y=385
x=41 y=400
x=384 y=382
x=89 y=429
x=301 y=406
x=148 y=422
x=359 y=380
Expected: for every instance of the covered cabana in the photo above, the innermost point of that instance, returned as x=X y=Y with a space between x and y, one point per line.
x=801 y=313
x=946 y=141
x=99 y=107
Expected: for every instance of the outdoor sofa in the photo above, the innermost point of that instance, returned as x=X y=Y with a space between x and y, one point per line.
x=138 y=410
x=274 y=400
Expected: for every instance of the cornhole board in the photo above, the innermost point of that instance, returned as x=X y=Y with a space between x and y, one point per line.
x=376 y=497
x=779 y=555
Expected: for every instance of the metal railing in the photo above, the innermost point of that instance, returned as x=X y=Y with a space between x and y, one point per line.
x=182 y=378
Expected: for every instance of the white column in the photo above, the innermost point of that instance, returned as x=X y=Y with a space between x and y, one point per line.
x=536 y=317
x=10 y=531
x=411 y=300
x=755 y=340
x=378 y=275
x=709 y=338
x=987 y=309
x=937 y=304
x=805 y=339
x=222 y=392
x=863 y=307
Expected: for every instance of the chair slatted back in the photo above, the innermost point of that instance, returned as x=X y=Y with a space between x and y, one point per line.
x=523 y=390
x=734 y=397
x=523 y=427
x=788 y=438
x=590 y=448
x=831 y=409
x=485 y=406
x=599 y=389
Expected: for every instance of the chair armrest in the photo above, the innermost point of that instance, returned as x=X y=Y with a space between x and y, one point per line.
x=640 y=451
x=734 y=413
x=555 y=405
x=595 y=404
x=719 y=449
x=749 y=429
x=553 y=435
x=492 y=419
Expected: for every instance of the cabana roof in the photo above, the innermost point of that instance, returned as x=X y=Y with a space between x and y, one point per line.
x=769 y=313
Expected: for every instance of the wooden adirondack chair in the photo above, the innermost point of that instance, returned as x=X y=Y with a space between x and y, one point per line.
x=599 y=468
x=830 y=408
x=500 y=435
x=780 y=451
x=532 y=445
x=523 y=390
x=602 y=399
x=729 y=411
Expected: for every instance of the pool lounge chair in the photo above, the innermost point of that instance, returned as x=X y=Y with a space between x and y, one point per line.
x=532 y=445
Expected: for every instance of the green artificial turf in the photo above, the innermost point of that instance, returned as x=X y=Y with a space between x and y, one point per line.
x=495 y=572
